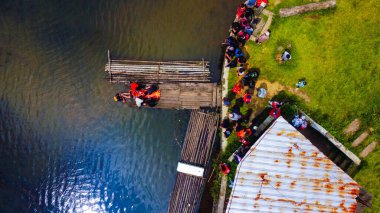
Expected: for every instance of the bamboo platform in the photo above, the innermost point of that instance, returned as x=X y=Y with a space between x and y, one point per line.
x=197 y=148
x=126 y=71
x=188 y=96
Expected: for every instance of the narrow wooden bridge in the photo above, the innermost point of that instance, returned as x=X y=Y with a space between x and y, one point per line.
x=193 y=167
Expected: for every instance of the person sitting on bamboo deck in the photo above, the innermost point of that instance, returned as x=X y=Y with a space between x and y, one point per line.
x=137 y=90
x=122 y=97
x=152 y=96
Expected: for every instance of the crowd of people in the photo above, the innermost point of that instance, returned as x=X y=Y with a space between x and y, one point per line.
x=299 y=121
x=241 y=31
x=141 y=94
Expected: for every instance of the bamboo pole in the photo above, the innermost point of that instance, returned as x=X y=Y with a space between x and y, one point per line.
x=109 y=65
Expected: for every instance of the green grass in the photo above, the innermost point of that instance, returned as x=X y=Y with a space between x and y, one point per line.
x=337 y=51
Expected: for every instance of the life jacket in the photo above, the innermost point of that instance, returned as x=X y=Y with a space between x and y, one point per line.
x=134 y=86
x=138 y=93
x=237 y=89
x=247 y=98
x=224 y=168
x=154 y=95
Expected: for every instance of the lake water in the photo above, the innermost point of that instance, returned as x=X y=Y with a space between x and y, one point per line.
x=65 y=145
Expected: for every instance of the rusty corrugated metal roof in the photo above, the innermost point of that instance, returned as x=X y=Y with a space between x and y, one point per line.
x=285 y=172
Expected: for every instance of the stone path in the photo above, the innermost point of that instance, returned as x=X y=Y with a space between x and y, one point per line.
x=262 y=26
x=360 y=139
x=371 y=147
x=352 y=128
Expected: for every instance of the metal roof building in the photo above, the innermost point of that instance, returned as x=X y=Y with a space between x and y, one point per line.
x=284 y=172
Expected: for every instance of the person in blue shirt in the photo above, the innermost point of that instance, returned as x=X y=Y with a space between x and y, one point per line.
x=250 y=3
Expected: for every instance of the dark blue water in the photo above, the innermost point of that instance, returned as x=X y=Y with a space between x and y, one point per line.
x=65 y=146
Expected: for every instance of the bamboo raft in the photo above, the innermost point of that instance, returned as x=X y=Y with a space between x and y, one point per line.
x=197 y=149
x=126 y=71
x=188 y=96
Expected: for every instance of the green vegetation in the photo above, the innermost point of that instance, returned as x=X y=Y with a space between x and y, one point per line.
x=337 y=51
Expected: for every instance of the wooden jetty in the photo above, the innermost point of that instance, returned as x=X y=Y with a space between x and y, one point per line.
x=196 y=153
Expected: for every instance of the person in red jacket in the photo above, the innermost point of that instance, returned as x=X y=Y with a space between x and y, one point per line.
x=247 y=98
x=237 y=88
x=224 y=168
x=135 y=91
x=241 y=10
x=275 y=112
x=261 y=3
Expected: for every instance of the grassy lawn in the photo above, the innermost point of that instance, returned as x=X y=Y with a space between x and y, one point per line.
x=337 y=51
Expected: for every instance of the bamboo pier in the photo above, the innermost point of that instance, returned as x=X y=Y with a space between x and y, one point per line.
x=183 y=84
x=197 y=149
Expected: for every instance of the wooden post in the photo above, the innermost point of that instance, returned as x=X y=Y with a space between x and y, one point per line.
x=109 y=66
x=204 y=67
x=158 y=72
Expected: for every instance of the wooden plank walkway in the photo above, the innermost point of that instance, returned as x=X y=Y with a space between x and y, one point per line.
x=188 y=96
x=126 y=71
x=197 y=148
